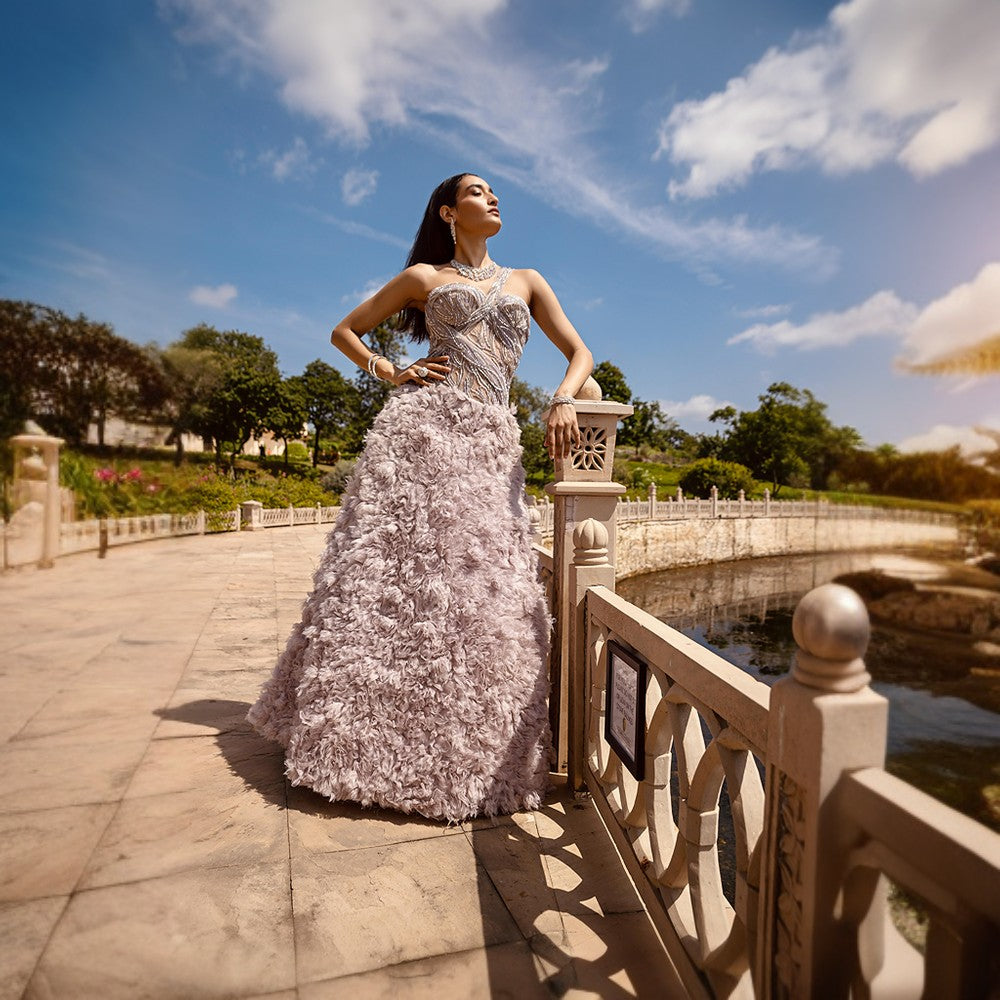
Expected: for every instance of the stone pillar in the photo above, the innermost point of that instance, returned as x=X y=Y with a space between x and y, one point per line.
x=714 y=496
x=742 y=500
x=767 y=501
x=590 y=568
x=582 y=490
x=534 y=518
x=652 y=501
x=36 y=465
x=250 y=510
x=824 y=721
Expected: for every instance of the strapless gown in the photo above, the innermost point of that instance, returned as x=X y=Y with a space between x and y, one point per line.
x=416 y=679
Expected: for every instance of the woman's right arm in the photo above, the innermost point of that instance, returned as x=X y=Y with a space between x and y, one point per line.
x=408 y=288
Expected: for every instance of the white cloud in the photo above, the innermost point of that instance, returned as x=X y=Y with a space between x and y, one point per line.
x=964 y=316
x=698 y=407
x=359 y=295
x=357 y=185
x=294 y=162
x=970 y=440
x=353 y=228
x=641 y=14
x=913 y=80
x=361 y=67
x=883 y=314
x=215 y=298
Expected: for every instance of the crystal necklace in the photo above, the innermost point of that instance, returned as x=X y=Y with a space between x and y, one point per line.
x=475 y=273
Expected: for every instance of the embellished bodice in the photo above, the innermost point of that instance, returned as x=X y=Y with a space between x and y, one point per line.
x=483 y=334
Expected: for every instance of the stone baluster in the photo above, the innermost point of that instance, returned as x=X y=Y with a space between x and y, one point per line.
x=582 y=489
x=714 y=495
x=743 y=502
x=590 y=568
x=652 y=501
x=767 y=501
x=825 y=721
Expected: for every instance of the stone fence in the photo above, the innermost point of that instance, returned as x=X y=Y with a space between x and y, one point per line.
x=758 y=824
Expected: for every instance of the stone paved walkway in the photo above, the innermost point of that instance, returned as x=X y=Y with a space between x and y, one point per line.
x=151 y=847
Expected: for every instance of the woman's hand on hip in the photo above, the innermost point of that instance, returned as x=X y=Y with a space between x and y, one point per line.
x=426 y=371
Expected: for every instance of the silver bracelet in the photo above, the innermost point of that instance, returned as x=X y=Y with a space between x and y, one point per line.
x=560 y=400
x=372 y=362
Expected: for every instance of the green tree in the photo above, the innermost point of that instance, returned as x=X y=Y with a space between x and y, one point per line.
x=71 y=371
x=192 y=375
x=332 y=402
x=529 y=404
x=247 y=389
x=287 y=415
x=612 y=382
x=787 y=437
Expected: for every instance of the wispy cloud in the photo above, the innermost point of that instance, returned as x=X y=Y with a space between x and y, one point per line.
x=699 y=407
x=357 y=184
x=296 y=161
x=359 y=295
x=641 y=14
x=917 y=81
x=215 y=297
x=353 y=228
x=764 y=312
x=359 y=67
x=884 y=314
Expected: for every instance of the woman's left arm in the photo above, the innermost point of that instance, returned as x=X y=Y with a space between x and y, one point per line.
x=562 y=430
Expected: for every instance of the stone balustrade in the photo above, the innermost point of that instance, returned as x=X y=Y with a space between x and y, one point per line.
x=758 y=824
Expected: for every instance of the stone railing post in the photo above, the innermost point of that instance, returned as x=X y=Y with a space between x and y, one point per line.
x=743 y=500
x=291 y=515
x=590 y=568
x=824 y=721
x=200 y=523
x=319 y=513
x=534 y=519
x=714 y=495
x=767 y=501
x=582 y=489
x=652 y=501
x=36 y=477
x=251 y=514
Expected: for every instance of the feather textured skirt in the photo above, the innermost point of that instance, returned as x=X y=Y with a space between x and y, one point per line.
x=416 y=679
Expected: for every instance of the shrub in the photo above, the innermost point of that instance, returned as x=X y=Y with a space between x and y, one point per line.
x=728 y=477
x=335 y=481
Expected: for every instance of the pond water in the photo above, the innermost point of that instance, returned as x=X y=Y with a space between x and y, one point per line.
x=943 y=691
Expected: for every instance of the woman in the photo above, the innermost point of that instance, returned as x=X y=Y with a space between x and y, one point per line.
x=416 y=679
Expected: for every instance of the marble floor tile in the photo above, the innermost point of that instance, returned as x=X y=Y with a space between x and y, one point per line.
x=18 y=703
x=231 y=760
x=374 y=907
x=160 y=835
x=581 y=862
x=38 y=775
x=510 y=855
x=82 y=714
x=503 y=971
x=618 y=956
x=24 y=930
x=213 y=933
x=318 y=826
x=43 y=853
x=200 y=712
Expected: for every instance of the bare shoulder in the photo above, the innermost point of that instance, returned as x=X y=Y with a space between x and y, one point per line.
x=528 y=283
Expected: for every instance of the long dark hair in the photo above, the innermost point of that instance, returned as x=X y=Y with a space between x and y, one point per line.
x=431 y=245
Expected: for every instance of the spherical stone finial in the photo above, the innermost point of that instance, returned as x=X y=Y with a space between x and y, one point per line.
x=831 y=622
x=590 y=543
x=831 y=628
x=590 y=391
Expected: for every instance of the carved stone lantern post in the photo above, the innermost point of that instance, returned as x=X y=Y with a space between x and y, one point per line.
x=36 y=482
x=582 y=490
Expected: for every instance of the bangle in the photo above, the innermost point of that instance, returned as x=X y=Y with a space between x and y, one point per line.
x=561 y=400
x=372 y=362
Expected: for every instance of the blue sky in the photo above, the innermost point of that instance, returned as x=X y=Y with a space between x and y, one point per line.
x=722 y=194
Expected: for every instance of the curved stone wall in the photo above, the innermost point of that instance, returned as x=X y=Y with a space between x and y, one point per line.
x=649 y=546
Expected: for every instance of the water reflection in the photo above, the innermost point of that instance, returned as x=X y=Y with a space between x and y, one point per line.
x=944 y=694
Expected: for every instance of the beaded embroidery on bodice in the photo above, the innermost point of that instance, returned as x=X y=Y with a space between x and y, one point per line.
x=483 y=334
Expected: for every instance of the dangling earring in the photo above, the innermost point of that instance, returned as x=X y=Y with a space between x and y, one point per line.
x=451 y=226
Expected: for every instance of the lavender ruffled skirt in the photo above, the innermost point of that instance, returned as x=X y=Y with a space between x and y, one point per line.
x=416 y=679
